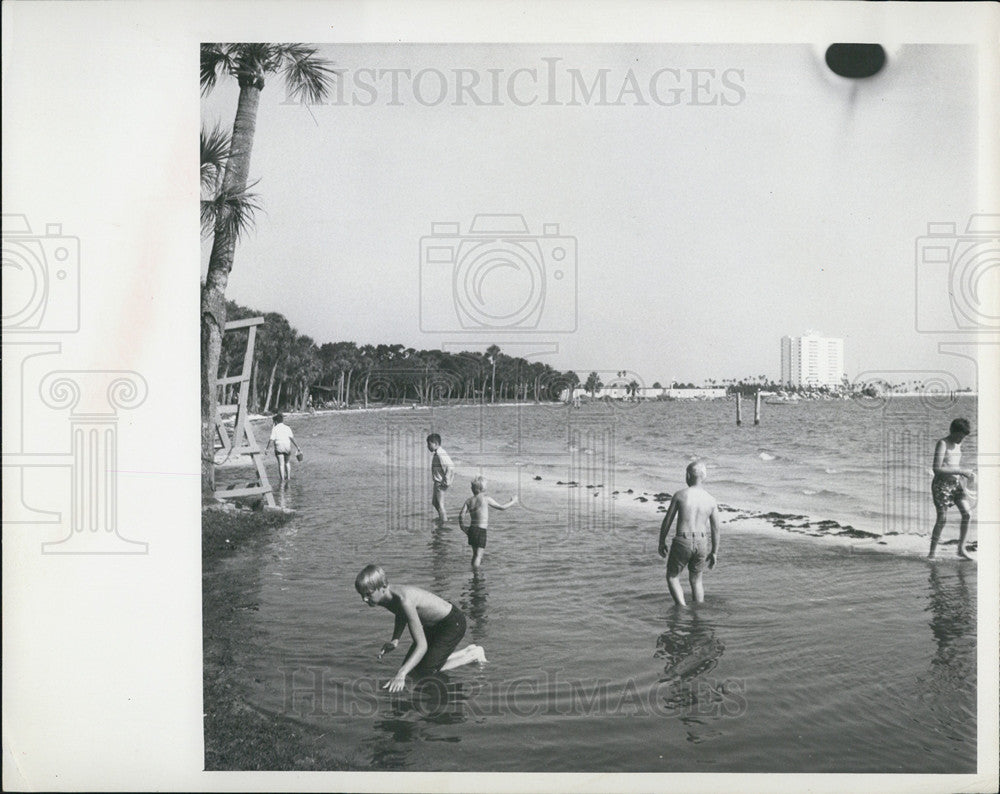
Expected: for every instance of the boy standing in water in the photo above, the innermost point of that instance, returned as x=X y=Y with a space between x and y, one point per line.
x=442 y=473
x=478 y=507
x=696 y=513
x=281 y=435
x=947 y=487
x=436 y=626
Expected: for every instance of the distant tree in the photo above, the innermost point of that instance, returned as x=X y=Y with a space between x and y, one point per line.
x=492 y=353
x=593 y=384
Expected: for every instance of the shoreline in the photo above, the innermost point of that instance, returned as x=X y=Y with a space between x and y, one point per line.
x=647 y=507
x=237 y=735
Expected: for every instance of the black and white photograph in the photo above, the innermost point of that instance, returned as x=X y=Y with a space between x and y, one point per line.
x=516 y=393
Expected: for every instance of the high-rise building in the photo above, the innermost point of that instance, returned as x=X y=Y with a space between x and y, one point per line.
x=812 y=360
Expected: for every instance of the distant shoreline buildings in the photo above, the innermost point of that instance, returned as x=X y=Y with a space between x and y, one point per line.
x=812 y=360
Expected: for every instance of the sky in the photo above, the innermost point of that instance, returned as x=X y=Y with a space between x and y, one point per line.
x=712 y=199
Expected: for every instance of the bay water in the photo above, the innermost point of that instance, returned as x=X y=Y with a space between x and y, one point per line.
x=826 y=642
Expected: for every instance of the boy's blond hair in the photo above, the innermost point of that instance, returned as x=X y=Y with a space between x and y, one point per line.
x=371 y=578
x=478 y=484
x=696 y=472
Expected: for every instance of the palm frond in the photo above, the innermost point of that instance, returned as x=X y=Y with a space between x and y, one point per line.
x=308 y=77
x=252 y=61
x=215 y=146
x=215 y=58
x=231 y=213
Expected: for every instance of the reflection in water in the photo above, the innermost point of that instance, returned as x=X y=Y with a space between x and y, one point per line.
x=474 y=605
x=690 y=649
x=953 y=624
x=417 y=715
x=281 y=494
x=441 y=539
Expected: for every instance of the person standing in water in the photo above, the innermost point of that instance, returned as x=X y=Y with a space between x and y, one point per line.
x=442 y=473
x=697 y=515
x=950 y=485
x=282 y=438
x=478 y=507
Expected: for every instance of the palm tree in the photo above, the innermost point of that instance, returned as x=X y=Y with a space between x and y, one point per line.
x=491 y=354
x=593 y=384
x=307 y=78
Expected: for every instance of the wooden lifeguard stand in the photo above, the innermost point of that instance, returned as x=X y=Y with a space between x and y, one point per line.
x=242 y=441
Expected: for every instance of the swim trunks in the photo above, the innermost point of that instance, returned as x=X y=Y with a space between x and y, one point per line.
x=477 y=537
x=691 y=553
x=946 y=492
x=442 y=639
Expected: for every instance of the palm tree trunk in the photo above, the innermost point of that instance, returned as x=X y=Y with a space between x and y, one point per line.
x=213 y=293
x=270 y=387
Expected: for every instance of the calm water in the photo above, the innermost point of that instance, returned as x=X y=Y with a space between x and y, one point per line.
x=808 y=655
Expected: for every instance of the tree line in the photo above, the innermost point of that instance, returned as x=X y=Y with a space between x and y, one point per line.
x=291 y=372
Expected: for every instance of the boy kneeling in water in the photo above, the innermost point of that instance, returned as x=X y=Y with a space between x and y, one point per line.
x=436 y=626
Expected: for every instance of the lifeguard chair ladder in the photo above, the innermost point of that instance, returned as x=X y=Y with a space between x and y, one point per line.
x=242 y=441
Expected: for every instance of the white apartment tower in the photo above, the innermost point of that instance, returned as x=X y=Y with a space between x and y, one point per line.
x=811 y=360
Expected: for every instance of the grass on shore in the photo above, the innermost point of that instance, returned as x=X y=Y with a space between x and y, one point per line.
x=237 y=735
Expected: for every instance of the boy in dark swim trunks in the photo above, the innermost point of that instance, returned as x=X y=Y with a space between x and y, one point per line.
x=696 y=513
x=478 y=507
x=436 y=626
x=949 y=485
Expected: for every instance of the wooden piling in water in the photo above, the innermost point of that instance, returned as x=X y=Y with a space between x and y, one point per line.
x=756 y=409
x=739 y=411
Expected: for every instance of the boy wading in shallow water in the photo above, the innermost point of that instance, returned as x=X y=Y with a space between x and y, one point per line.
x=282 y=438
x=442 y=473
x=436 y=626
x=948 y=487
x=478 y=507
x=696 y=513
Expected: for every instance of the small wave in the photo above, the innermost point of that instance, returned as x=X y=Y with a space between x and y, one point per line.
x=832 y=471
x=766 y=456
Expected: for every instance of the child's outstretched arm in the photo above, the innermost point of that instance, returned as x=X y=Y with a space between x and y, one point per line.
x=713 y=520
x=494 y=503
x=665 y=526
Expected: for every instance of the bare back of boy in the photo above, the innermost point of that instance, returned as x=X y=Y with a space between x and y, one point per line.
x=478 y=508
x=430 y=609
